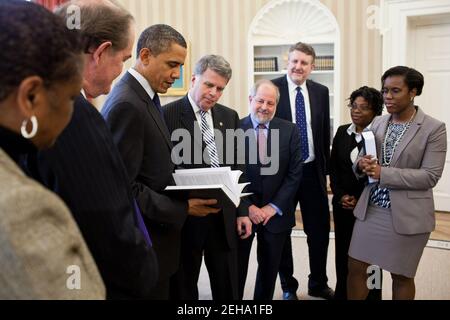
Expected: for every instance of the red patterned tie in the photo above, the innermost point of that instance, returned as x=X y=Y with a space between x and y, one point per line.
x=262 y=143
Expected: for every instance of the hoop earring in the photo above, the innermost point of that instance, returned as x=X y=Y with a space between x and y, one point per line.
x=34 y=128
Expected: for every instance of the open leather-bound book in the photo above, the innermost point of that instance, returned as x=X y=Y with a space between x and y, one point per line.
x=210 y=183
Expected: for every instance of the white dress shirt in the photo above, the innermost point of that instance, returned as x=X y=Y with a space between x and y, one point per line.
x=358 y=137
x=143 y=82
x=208 y=115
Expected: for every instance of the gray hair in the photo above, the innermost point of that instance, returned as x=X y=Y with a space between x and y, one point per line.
x=216 y=63
x=259 y=83
x=101 y=21
x=158 y=38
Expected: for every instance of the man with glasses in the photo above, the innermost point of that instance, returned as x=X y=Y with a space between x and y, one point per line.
x=272 y=208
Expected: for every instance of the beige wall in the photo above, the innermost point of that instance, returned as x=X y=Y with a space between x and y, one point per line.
x=221 y=27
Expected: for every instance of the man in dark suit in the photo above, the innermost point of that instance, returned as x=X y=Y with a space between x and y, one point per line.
x=273 y=200
x=134 y=116
x=85 y=169
x=213 y=236
x=306 y=103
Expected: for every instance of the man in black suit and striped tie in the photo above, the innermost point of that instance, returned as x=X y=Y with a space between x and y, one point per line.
x=213 y=236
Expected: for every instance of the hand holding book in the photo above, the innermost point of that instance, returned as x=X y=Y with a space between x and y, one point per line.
x=202 y=207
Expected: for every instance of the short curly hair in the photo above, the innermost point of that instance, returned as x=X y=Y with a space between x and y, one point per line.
x=35 y=42
x=371 y=95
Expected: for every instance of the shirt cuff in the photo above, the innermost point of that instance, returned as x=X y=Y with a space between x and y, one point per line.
x=279 y=212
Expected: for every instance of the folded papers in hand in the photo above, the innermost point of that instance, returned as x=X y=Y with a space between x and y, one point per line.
x=371 y=148
x=221 y=184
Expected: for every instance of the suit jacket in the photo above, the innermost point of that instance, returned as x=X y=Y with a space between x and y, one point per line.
x=280 y=188
x=179 y=114
x=416 y=167
x=85 y=169
x=342 y=178
x=320 y=120
x=144 y=143
x=39 y=240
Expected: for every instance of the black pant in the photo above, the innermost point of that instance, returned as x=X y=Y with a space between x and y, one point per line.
x=206 y=237
x=222 y=271
x=316 y=223
x=269 y=252
x=343 y=229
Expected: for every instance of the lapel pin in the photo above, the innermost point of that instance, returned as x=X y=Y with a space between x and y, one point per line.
x=221 y=124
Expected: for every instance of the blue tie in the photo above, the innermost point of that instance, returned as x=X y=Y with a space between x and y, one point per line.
x=158 y=106
x=157 y=103
x=300 y=119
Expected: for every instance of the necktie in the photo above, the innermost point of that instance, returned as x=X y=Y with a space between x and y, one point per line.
x=300 y=118
x=209 y=141
x=262 y=144
x=157 y=103
x=141 y=224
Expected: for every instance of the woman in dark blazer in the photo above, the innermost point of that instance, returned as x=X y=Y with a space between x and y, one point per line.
x=365 y=104
x=395 y=215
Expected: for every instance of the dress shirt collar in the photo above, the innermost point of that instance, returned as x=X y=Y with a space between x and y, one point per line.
x=143 y=82
x=195 y=107
x=358 y=136
x=255 y=122
x=293 y=87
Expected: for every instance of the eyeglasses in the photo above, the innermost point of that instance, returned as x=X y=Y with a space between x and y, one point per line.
x=262 y=101
x=362 y=108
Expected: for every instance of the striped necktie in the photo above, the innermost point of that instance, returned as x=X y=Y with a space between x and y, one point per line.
x=208 y=138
